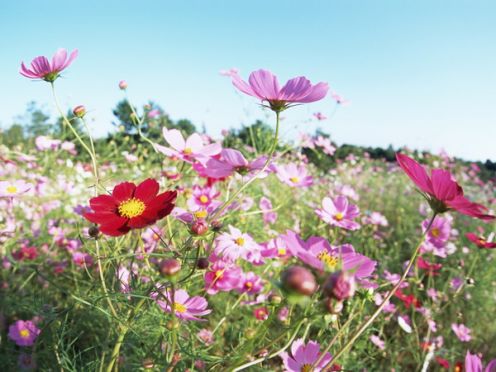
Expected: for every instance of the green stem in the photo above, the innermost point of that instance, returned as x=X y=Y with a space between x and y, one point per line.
x=138 y=123
x=254 y=177
x=369 y=321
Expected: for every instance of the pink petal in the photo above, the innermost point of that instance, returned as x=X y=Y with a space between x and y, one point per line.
x=416 y=173
x=264 y=84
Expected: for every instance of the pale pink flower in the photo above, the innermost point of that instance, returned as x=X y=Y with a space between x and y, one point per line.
x=234 y=245
x=232 y=161
x=269 y=216
x=46 y=143
x=325 y=144
x=339 y=212
x=294 y=175
x=11 y=189
x=377 y=342
x=319 y=116
x=187 y=150
x=230 y=73
x=462 y=332
x=183 y=306
x=303 y=356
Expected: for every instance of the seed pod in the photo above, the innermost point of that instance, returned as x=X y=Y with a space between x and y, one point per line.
x=93 y=231
x=202 y=263
x=300 y=280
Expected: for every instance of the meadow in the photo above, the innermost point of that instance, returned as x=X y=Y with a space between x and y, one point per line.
x=163 y=249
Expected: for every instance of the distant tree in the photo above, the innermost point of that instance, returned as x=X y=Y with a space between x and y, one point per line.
x=35 y=121
x=258 y=135
x=12 y=136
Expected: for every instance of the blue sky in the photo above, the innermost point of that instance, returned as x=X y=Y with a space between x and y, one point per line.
x=418 y=73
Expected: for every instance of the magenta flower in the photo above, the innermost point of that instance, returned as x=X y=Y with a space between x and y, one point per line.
x=275 y=248
x=231 y=161
x=318 y=253
x=184 y=306
x=41 y=68
x=235 y=244
x=474 y=364
x=439 y=232
x=440 y=190
x=304 y=356
x=187 y=150
x=250 y=283
x=263 y=85
x=462 y=332
x=11 y=189
x=222 y=276
x=24 y=332
x=203 y=198
x=293 y=175
x=319 y=116
x=339 y=212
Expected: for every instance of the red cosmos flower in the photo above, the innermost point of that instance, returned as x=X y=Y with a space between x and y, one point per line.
x=130 y=207
x=440 y=190
x=431 y=268
x=408 y=300
x=480 y=241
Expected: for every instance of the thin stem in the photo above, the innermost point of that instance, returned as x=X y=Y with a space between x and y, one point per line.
x=138 y=123
x=254 y=177
x=367 y=323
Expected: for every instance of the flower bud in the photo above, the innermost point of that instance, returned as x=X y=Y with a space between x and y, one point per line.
x=79 y=111
x=333 y=306
x=340 y=286
x=202 y=263
x=169 y=267
x=216 y=226
x=275 y=299
x=300 y=280
x=148 y=363
x=123 y=84
x=93 y=231
x=199 y=228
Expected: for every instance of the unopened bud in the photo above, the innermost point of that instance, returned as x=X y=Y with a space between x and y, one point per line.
x=340 y=286
x=300 y=280
x=79 y=111
x=275 y=299
x=123 y=84
x=202 y=263
x=93 y=231
x=148 y=363
x=169 y=267
x=199 y=228
x=216 y=226
x=333 y=306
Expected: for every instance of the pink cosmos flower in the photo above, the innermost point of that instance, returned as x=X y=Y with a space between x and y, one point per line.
x=319 y=116
x=376 y=218
x=12 y=189
x=250 y=283
x=41 y=68
x=440 y=190
x=263 y=85
x=269 y=216
x=206 y=336
x=306 y=141
x=480 y=241
x=230 y=73
x=231 y=161
x=339 y=212
x=24 y=332
x=46 y=143
x=187 y=150
x=377 y=342
x=304 y=356
x=82 y=259
x=439 y=232
x=276 y=248
x=184 y=306
x=318 y=253
x=325 y=144
x=222 y=276
x=462 y=332
x=339 y=100
x=202 y=198
x=474 y=364
x=294 y=175
x=234 y=244
x=261 y=313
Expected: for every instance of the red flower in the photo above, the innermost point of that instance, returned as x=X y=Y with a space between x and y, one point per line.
x=408 y=300
x=480 y=241
x=261 y=313
x=130 y=207
x=431 y=268
x=440 y=190
x=442 y=362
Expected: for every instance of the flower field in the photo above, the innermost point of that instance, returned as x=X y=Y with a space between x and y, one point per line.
x=163 y=249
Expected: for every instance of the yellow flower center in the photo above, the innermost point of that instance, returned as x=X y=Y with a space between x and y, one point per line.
x=482 y=241
x=435 y=232
x=201 y=213
x=294 y=179
x=306 y=368
x=155 y=237
x=330 y=261
x=11 y=189
x=187 y=151
x=131 y=208
x=281 y=251
x=219 y=274
x=204 y=199
x=338 y=216
x=240 y=241
x=179 y=308
x=24 y=333
x=248 y=285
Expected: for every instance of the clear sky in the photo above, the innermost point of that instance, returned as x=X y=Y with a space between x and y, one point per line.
x=418 y=73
